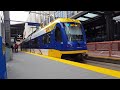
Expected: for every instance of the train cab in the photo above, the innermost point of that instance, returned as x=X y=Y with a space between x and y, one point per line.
x=70 y=39
x=70 y=36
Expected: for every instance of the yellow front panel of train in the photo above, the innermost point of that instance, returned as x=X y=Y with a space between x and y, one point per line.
x=54 y=53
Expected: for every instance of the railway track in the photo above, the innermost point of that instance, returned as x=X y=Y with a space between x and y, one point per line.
x=103 y=64
x=99 y=64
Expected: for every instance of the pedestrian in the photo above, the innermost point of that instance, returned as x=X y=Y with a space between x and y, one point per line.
x=12 y=48
x=16 y=47
x=21 y=46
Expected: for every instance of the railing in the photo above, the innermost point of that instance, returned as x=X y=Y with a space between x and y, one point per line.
x=108 y=48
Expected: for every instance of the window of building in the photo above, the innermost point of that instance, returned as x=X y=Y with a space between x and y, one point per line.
x=70 y=13
x=62 y=13
x=58 y=14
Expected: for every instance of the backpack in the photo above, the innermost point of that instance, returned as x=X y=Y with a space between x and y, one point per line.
x=16 y=46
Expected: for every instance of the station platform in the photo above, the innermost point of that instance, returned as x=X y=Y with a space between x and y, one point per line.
x=27 y=65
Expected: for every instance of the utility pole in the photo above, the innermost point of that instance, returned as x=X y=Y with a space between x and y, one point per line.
x=7 y=35
x=109 y=25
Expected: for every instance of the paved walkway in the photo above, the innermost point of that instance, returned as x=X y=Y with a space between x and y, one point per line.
x=27 y=66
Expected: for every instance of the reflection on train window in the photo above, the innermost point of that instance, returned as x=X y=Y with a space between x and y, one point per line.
x=35 y=43
x=58 y=37
x=43 y=39
x=46 y=38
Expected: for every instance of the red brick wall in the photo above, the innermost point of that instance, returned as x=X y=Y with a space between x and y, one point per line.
x=104 y=45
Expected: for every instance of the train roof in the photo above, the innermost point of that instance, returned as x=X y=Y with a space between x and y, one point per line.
x=51 y=25
x=67 y=20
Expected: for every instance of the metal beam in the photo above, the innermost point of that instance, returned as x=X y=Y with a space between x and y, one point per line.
x=109 y=25
x=37 y=13
x=18 y=21
x=79 y=14
x=91 y=19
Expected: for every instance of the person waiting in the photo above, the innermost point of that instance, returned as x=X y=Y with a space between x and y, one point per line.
x=16 y=47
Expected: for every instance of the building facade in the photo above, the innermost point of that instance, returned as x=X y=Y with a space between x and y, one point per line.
x=65 y=14
x=41 y=17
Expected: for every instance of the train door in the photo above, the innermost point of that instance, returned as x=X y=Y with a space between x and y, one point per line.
x=58 y=37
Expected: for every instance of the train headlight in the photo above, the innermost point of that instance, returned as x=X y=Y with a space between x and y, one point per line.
x=61 y=42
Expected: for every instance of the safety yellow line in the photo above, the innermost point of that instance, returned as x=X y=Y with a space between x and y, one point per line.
x=106 y=71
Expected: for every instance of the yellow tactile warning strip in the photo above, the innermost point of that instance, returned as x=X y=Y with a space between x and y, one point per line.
x=106 y=71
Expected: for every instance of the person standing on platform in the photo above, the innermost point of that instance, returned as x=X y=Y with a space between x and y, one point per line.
x=12 y=48
x=16 y=47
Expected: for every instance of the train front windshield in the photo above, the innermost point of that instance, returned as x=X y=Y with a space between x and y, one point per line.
x=73 y=31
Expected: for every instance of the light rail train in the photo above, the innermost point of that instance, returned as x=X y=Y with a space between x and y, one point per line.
x=62 y=38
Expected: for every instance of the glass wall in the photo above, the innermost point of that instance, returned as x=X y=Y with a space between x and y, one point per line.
x=70 y=13
x=60 y=14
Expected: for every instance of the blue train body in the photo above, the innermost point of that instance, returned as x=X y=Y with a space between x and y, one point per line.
x=64 y=36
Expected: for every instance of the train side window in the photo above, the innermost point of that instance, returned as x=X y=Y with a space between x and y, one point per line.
x=35 y=42
x=43 y=39
x=58 y=37
x=46 y=38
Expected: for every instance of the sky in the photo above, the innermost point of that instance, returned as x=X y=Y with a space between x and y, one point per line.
x=18 y=16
